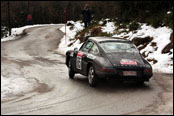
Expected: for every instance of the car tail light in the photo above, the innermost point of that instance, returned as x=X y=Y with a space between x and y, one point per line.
x=147 y=70
x=103 y=69
x=111 y=70
x=107 y=70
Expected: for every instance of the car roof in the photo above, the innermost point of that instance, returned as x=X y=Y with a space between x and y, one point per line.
x=102 y=39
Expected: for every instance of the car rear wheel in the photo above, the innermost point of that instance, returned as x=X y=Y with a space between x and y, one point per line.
x=70 y=71
x=92 y=77
x=140 y=82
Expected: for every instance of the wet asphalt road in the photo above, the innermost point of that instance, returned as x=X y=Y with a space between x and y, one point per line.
x=34 y=57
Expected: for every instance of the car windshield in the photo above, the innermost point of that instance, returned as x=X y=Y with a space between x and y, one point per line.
x=118 y=47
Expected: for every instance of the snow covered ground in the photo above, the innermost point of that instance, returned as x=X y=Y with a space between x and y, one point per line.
x=109 y=28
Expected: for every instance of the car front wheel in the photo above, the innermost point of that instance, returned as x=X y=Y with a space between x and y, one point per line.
x=70 y=71
x=92 y=77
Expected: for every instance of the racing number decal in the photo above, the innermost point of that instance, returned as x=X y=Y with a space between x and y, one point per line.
x=79 y=60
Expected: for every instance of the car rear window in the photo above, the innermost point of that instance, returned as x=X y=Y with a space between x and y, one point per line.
x=118 y=47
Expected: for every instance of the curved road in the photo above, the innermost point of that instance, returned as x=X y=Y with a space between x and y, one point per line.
x=33 y=56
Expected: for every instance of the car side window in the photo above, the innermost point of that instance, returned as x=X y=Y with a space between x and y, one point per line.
x=94 y=49
x=87 y=46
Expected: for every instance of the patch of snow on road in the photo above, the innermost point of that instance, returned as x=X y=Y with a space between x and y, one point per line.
x=12 y=84
x=15 y=85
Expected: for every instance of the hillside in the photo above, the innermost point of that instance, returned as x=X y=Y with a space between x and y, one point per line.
x=155 y=44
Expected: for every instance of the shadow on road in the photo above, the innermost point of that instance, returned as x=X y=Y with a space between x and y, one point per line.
x=113 y=85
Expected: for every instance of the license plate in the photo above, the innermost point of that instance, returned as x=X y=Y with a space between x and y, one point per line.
x=129 y=73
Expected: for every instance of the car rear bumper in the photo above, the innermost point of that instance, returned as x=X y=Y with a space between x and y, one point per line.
x=119 y=76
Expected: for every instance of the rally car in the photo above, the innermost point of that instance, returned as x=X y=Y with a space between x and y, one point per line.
x=108 y=57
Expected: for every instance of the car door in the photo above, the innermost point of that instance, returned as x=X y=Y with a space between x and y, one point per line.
x=81 y=58
x=91 y=57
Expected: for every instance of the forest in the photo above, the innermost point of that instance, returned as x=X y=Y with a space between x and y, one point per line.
x=155 y=13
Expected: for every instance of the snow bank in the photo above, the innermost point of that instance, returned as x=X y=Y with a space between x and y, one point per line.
x=161 y=36
x=109 y=28
x=18 y=31
x=70 y=34
x=63 y=46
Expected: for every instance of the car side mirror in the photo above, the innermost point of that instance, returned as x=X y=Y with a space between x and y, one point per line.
x=76 y=50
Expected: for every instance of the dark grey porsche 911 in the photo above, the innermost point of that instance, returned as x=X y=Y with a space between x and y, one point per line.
x=108 y=57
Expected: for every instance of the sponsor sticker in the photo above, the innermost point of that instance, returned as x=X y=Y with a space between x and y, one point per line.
x=128 y=62
x=79 y=60
x=90 y=56
x=79 y=54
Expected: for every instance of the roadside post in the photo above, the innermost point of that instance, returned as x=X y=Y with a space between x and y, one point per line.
x=65 y=25
x=9 y=25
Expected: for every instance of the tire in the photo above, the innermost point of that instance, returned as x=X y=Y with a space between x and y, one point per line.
x=92 y=79
x=140 y=82
x=71 y=73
